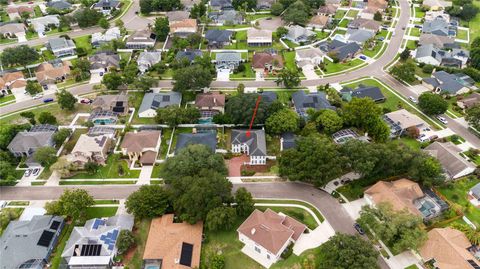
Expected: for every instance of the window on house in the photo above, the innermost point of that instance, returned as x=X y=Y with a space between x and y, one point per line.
x=258 y=249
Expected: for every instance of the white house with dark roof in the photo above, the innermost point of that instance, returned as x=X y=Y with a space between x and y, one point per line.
x=442 y=82
x=27 y=142
x=252 y=144
x=43 y=24
x=141 y=40
x=153 y=101
x=107 y=6
x=228 y=60
x=61 y=46
x=448 y=154
x=147 y=59
x=101 y=38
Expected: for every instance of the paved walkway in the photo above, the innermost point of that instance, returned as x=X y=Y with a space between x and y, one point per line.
x=53 y=180
x=145 y=175
x=314 y=239
x=235 y=165
x=403 y=260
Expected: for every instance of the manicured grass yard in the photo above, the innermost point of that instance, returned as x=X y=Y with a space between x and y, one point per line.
x=166 y=135
x=415 y=31
x=373 y=51
x=289 y=43
x=456 y=192
x=352 y=13
x=135 y=100
x=338 y=67
x=322 y=34
x=110 y=170
x=5 y=99
x=413 y=266
x=84 y=42
x=314 y=209
x=411 y=45
x=64 y=117
x=157 y=169
x=248 y=73
x=344 y=23
x=228 y=244
x=474 y=24
x=101 y=212
x=339 y=14
x=462 y=34
x=419 y=13
x=289 y=60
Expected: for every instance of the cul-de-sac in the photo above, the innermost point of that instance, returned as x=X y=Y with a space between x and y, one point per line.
x=240 y=134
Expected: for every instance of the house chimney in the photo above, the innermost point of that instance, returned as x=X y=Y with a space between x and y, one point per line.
x=194 y=130
x=215 y=101
x=253 y=231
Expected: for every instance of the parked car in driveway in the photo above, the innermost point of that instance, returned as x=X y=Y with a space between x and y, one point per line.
x=36 y=171
x=358 y=228
x=413 y=99
x=442 y=119
x=363 y=57
x=28 y=172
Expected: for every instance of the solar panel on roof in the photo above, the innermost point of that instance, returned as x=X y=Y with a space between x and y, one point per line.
x=118 y=109
x=166 y=98
x=91 y=250
x=473 y=264
x=155 y=104
x=97 y=223
x=55 y=224
x=45 y=239
x=186 y=255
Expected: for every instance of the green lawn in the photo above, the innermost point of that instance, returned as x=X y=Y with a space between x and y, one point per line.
x=110 y=170
x=84 y=42
x=9 y=98
x=340 y=14
x=373 y=51
x=166 y=135
x=252 y=17
x=135 y=100
x=419 y=13
x=322 y=34
x=331 y=67
x=38 y=12
x=228 y=244
x=415 y=32
x=106 y=202
x=456 y=192
x=64 y=117
x=248 y=73
x=462 y=34
x=344 y=23
x=314 y=209
x=352 y=13
x=7 y=215
x=339 y=32
x=474 y=24
x=289 y=43
x=411 y=44
x=90 y=182
x=101 y=212
x=289 y=60
x=157 y=169
x=413 y=266
x=411 y=142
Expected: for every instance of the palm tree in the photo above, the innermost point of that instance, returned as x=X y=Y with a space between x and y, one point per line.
x=473 y=235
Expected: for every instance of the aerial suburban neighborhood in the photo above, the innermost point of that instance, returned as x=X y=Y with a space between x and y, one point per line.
x=240 y=134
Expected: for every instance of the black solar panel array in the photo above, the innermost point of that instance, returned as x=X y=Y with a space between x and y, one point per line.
x=45 y=239
x=186 y=255
x=55 y=224
x=91 y=250
x=473 y=264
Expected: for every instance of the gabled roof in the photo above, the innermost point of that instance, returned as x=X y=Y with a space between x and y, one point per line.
x=211 y=99
x=449 y=249
x=228 y=57
x=60 y=43
x=139 y=141
x=107 y=3
x=270 y=229
x=260 y=59
x=24 y=141
x=10 y=77
x=303 y=101
x=185 y=23
x=60 y=5
x=104 y=60
x=446 y=82
x=449 y=157
x=254 y=33
x=142 y=37
x=309 y=53
x=150 y=57
x=218 y=36
x=321 y=20
x=376 y=5
x=208 y=139
x=256 y=141
x=360 y=23
x=329 y=9
x=471 y=100
x=12 y=28
x=221 y=3
x=188 y=54
x=229 y=15
x=437 y=26
x=372 y=92
x=359 y=35
x=401 y=194
x=177 y=15
x=436 y=40
x=296 y=31
x=88 y=144
x=342 y=50
x=404 y=118
x=48 y=71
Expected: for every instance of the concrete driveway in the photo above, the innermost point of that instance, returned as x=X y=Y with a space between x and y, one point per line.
x=95 y=78
x=223 y=75
x=354 y=207
x=309 y=72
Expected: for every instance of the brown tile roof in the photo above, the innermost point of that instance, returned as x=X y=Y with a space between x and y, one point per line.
x=449 y=249
x=270 y=229
x=471 y=100
x=327 y=9
x=10 y=77
x=365 y=23
x=165 y=240
x=137 y=142
x=148 y=157
x=19 y=9
x=376 y=5
x=319 y=20
x=187 y=23
x=211 y=99
x=47 y=71
x=18 y=84
x=260 y=59
x=399 y=193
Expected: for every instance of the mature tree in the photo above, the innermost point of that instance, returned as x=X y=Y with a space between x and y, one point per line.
x=148 y=202
x=281 y=31
x=314 y=4
x=130 y=72
x=315 y=160
x=297 y=13
x=241 y=88
x=399 y=229
x=144 y=83
x=284 y=120
x=30 y=116
x=45 y=156
x=8 y=132
x=216 y=261
x=33 y=87
x=221 y=218
x=475 y=43
x=66 y=100
x=87 y=17
x=426 y=169
x=405 y=54
x=348 y=251
x=405 y=71
x=20 y=55
x=244 y=202
x=112 y=80
x=8 y=174
x=365 y=114
x=197 y=195
x=125 y=240
x=72 y=203
x=289 y=78
x=244 y=4
x=432 y=104
x=192 y=78
x=198 y=11
x=379 y=130
x=240 y=109
x=330 y=121
x=61 y=135
x=161 y=28
x=277 y=9
x=377 y=16
x=81 y=69
x=174 y=115
x=475 y=57
x=103 y=22
x=473 y=116
x=190 y=161
x=46 y=117
x=146 y=6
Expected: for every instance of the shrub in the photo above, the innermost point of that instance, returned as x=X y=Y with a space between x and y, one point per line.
x=287 y=252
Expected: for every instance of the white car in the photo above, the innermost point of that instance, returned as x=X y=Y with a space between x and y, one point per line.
x=442 y=119
x=423 y=138
x=413 y=99
x=38 y=96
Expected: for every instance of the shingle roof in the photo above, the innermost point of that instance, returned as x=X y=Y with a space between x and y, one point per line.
x=449 y=157
x=160 y=100
x=364 y=23
x=60 y=43
x=303 y=101
x=107 y=3
x=139 y=141
x=218 y=36
x=437 y=40
x=329 y=9
x=61 y=5
x=104 y=60
x=270 y=229
x=368 y=91
x=359 y=35
x=208 y=139
x=12 y=28
x=188 y=54
x=211 y=99
x=177 y=15
x=438 y=26
x=256 y=141
x=228 y=57
x=25 y=141
x=260 y=59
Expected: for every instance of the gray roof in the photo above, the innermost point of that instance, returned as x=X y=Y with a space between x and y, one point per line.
x=359 y=35
x=427 y=51
x=341 y=49
x=256 y=141
x=368 y=91
x=221 y=3
x=289 y=140
x=476 y=191
x=104 y=60
x=149 y=57
x=303 y=102
x=160 y=100
x=297 y=31
x=177 y=15
x=208 y=139
x=218 y=36
x=229 y=15
x=107 y=3
x=438 y=26
x=188 y=54
x=269 y=96
x=98 y=231
x=449 y=83
x=19 y=241
x=43 y=128
x=12 y=28
x=228 y=57
x=449 y=157
x=60 y=5
x=25 y=141
x=60 y=43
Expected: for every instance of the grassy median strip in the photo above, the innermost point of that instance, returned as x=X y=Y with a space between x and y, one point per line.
x=295 y=202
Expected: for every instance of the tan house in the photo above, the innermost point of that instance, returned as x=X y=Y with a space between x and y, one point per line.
x=327 y=10
x=14 y=81
x=117 y=103
x=257 y=37
x=319 y=21
x=266 y=62
x=267 y=234
x=448 y=248
x=365 y=24
x=90 y=148
x=210 y=104
x=142 y=146
x=377 y=5
x=173 y=245
x=48 y=73
x=15 y=12
x=184 y=27
x=469 y=101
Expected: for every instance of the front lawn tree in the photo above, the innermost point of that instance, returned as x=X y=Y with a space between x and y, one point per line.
x=72 y=203
x=161 y=28
x=405 y=54
x=405 y=72
x=174 y=115
x=348 y=251
x=148 y=202
x=365 y=114
x=221 y=218
x=33 y=87
x=192 y=78
x=330 y=121
x=244 y=202
x=281 y=31
x=288 y=78
x=87 y=17
x=66 y=100
x=239 y=109
x=21 y=55
x=192 y=160
x=297 y=13
x=277 y=9
x=61 y=135
x=112 y=80
x=284 y=120
x=125 y=240
x=45 y=156
x=46 y=117
x=473 y=116
x=432 y=104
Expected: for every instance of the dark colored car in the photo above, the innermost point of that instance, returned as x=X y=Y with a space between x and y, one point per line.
x=358 y=228
x=86 y=101
x=149 y=91
x=36 y=171
x=48 y=100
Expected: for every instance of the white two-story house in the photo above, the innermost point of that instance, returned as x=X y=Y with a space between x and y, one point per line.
x=252 y=143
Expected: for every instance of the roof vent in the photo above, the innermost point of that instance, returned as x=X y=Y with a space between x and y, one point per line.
x=253 y=231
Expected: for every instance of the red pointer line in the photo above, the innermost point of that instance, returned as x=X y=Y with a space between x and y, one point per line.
x=254 y=114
